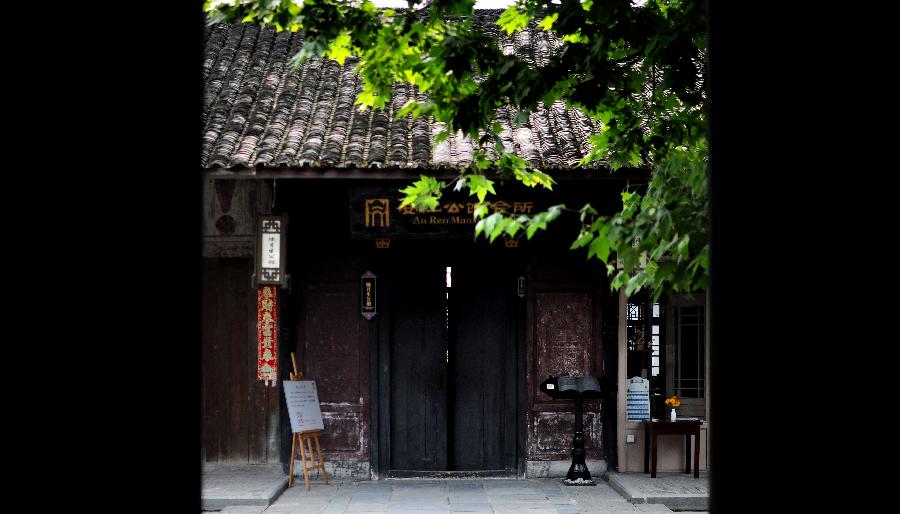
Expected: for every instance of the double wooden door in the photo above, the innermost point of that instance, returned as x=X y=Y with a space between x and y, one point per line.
x=453 y=346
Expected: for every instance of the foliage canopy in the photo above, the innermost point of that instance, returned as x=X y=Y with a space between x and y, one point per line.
x=638 y=69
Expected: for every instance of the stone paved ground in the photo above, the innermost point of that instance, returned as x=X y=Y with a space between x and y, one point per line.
x=250 y=485
x=533 y=496
x=678 y=491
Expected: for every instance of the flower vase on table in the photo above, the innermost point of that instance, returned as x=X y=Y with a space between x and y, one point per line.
x=673 y=402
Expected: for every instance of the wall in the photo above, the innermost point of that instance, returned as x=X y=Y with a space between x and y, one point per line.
x=564 y=338
x=230 y=207
x=240 y=416
x=332 y=348
x=563 y=332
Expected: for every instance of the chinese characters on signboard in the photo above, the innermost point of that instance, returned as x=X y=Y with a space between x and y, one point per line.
x=267 y=334
x=303 y=406
x=637 y=399
x=374 y=213
x=367 y=291
x=458 y=213
x=270 y=257
x=272 y=250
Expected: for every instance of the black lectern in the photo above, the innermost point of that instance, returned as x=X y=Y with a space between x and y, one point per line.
x=578 y=389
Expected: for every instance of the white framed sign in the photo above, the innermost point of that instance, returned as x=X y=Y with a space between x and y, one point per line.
x=637 y=399
x=303 y=405
x=270 y=250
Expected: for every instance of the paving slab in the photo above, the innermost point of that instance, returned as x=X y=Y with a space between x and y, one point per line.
x=411 y=496
x=677 y=491
x=470 y=507
x=417 y=510
x=224 y=485
x=243 y=509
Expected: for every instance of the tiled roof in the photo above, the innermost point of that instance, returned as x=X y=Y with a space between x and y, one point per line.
x=257 y=112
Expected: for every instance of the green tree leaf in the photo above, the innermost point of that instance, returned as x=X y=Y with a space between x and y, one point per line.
x=638 y=71
x=547 y=22
x=480 y=186
x=513 y=20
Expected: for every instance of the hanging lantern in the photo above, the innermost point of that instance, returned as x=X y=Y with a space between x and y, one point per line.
x=271 y=251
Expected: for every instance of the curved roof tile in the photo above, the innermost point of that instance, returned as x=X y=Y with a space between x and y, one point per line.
x=260 y=112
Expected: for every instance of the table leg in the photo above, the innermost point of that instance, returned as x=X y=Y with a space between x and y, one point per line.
x=697 y=454
x=653 y=454
x=687 y=453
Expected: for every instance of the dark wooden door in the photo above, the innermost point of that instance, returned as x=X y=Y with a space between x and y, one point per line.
x=482 y=354
x=332 y=348
x=565 y=326
x=418 y=391
x=453 y=368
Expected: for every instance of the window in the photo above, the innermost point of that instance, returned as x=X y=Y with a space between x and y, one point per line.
x=655 y=321
x=686 y=353
x=636 y=326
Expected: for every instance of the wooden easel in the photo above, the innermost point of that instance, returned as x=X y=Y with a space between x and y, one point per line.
x=306 y=437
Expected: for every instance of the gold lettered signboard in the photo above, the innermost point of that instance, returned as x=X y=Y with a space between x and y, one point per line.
x=375 y=212
x=368 y=306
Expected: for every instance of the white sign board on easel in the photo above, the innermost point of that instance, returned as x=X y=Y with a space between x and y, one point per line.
x=303 y=405
x=637 y=399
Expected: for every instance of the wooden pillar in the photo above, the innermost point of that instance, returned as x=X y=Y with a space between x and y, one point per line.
x=706 y=384
x=622 y=416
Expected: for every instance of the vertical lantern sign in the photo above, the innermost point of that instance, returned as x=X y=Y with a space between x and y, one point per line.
x=270 y=276
x=270 y=250
x=367 y=305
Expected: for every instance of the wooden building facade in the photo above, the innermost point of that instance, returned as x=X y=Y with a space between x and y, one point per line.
x=443 y=380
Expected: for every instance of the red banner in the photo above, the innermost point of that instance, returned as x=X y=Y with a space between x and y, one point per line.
x=267 y=334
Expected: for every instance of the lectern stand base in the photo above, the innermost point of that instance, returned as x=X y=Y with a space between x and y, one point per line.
x=578 y=474
x=579 y=481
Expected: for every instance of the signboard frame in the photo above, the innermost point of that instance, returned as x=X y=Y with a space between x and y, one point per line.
x=271 y=251
x=302 y=400
x=637 y=399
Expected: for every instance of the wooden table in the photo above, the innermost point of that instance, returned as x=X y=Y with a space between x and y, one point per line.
x=686 y=427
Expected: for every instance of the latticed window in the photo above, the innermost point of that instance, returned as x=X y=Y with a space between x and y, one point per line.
x=655 y=322
x=685 y=351
x=636 y=326
x=666 y=344
x=689 y=355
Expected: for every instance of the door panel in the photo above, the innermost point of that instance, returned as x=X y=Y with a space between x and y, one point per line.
x=418 y=369
x=332 y=342
x=453 y=368
x=565 y=327
x=482 y=368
